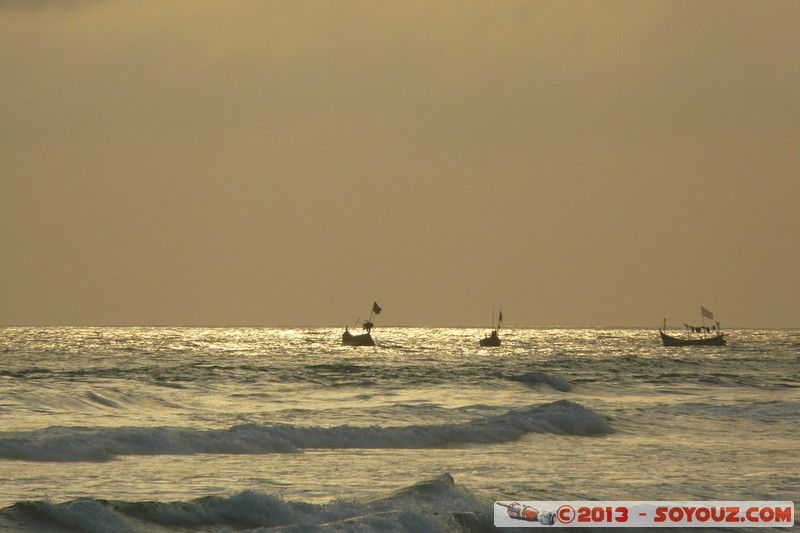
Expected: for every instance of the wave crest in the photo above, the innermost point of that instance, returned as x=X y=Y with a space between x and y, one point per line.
x=435 y=505
x=535 y=378
x=66 y=444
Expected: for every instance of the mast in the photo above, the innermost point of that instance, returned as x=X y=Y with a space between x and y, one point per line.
x=704 y=321
x=705 y=313
x=376 y=310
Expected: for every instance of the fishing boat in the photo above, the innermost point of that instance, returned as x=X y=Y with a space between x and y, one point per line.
x=493 y=339
x=362 y=339
x=696 y=335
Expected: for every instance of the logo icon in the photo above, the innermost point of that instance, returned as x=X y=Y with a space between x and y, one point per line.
x=518 y=511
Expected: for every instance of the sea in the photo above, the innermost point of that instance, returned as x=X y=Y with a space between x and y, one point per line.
x=155 y=429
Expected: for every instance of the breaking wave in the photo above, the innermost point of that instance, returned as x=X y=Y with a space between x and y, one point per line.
x=535 y=378
x=66 y=444
x=436 y=505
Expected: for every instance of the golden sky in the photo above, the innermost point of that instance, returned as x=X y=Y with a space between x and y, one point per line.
x=582 y=163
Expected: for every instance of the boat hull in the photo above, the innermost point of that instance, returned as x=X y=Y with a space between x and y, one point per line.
x=364 y=339
x=716 y=340
x=490 y=341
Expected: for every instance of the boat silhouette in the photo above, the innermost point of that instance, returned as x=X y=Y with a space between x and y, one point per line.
x=493 y=338
x=362 y=339
x=696 y=335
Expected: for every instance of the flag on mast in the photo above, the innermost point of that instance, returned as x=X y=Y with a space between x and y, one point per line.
x=376 y=308
x=500 y=318
x=706 y=313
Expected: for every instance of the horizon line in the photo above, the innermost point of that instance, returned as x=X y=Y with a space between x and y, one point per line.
x=418 y=326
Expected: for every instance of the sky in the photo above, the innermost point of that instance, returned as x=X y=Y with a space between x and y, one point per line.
x=288 y=162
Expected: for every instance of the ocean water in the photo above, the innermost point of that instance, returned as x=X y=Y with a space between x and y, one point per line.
x=257 y=429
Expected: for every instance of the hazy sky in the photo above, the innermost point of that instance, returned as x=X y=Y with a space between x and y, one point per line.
x=582 y=163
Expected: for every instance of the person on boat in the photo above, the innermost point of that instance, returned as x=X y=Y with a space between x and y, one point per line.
x=368 y=326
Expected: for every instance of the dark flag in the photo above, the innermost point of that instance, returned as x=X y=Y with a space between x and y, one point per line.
x=500 y=318
x=376 y=308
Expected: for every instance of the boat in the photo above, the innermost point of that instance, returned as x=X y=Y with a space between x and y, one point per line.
x=696 y=335
x=493 y=339
x=362 y=339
